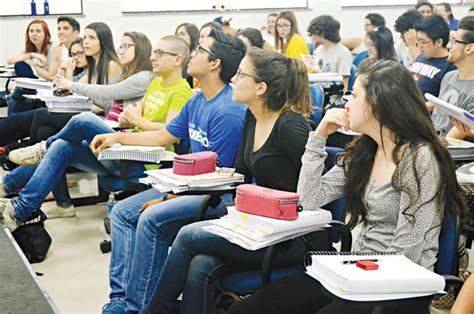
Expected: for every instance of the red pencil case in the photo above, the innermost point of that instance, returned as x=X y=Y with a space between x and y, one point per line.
x=194 y=164
x=257 y=200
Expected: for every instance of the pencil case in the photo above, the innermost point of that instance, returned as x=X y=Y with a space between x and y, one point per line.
x=194 y=164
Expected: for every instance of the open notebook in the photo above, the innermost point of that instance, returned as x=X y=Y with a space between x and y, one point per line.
x=33 y=83
x=452 y=110
x=150 y=154
x=397 y=277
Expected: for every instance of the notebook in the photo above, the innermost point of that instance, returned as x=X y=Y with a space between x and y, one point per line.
x=460 y=150
x=324 y=77
x=33 y=83
x=64 y=104
x=397 y=276
x=451 y=110
x=148 y=154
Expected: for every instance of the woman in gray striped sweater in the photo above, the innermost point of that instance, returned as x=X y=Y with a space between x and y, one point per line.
x=397 y=178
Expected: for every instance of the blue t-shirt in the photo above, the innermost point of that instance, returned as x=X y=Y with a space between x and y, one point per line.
x=211 y=125
x=429 y=72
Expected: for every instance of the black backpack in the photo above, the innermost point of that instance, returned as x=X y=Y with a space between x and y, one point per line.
x=33 y=239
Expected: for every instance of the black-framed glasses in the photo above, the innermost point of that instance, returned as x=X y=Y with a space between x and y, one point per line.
x=200 y=48
x=283 y=26
x=158 y=53
x=125 y=46
x=241 y=74
x=453 y=41
x=78 y=54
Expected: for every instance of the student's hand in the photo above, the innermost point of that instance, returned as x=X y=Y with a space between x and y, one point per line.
x=150 y=203
x=42 y=58
x=103 y=141
x=462 y=129
x=314 y=68
x=334 y=119
x=410 y=37
x=132 y=114
x=68 y=64
x=123 y=122
x=62 y=83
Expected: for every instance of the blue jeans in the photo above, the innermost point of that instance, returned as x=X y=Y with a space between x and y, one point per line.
x=140 y=242
x=17 y=103
x=70 y=147
x=195 y=259
x=16 y=126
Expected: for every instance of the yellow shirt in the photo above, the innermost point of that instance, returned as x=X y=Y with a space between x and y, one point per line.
x=296 y=46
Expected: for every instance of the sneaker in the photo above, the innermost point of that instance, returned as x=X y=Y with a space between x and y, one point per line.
x=59 y=212
x=6 y=208
x=27 y=156
x=114 y=307
x=2 y=189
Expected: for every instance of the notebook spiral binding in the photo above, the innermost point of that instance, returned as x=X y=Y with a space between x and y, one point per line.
x=307 y=259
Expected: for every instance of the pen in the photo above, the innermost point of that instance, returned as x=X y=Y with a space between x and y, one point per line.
x=359 y=260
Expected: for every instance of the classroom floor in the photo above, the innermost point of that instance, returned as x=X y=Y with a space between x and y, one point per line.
x=75 y=272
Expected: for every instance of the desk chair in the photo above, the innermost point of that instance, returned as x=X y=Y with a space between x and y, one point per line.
x=317 y=100
x=352 y=78
x=359 y=57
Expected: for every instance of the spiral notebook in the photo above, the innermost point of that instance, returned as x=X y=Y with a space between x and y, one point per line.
x=150 y=154
x=396 y=278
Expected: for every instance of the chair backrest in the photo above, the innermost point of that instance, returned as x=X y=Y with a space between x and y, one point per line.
x=448 y=258
x=352 y=78
x=359 y=57
x=336 y=207
x=317 y=100
x=310 y=48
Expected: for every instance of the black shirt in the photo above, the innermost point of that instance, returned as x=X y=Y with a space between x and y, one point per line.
x=277 y=163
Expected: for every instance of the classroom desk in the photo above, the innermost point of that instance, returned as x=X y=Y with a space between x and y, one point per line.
x=19 y=289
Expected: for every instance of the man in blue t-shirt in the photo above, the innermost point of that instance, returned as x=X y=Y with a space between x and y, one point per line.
x=430 y=67
x=144 y=225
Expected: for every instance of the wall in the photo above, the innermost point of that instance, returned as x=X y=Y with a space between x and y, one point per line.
x=157 y=25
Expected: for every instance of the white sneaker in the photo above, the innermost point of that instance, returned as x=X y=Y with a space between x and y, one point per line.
x=27 y=156
x=59 y=212
x=6 y=208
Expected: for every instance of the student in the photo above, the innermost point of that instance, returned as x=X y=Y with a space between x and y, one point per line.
x=224 y=22
x=165 y=97
x=425 y=8
x=372 y=22
x=444 y=10
x=379 y=44
x=331 y=55
x=190 y=33
x=206 y=30
x=68 y=30
x=465 y=302
x=268 y=31
x=212 y=122
x=457 y=87
x=251 y=37
x=397 y=178
x=288 y=39
x=431 y=65
x=406 y=47
x=274 y=139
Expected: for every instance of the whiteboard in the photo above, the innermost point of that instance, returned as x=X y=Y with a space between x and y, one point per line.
x=371 y=3
x=135 y=6
x=23 y=7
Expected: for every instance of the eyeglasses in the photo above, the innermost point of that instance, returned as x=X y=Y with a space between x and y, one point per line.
x=453 y=41
x=200 y=48
x=241 y=74
x=124 y=46
x=158 y=53
x=283 y=26
x=78 y=54
x=423 y=42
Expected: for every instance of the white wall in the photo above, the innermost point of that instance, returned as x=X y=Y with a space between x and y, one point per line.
x=156 y=25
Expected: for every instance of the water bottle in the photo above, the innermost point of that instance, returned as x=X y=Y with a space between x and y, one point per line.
x=46 y=7
x=110 y=203
x=33 y=8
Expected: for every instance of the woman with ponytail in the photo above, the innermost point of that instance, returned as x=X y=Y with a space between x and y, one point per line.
x=276 y=90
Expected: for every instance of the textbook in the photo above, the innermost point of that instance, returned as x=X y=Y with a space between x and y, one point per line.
x=150 y=154
x=451 y=110
x=65 y=104
x=396 y=277
x=33 y=83
x=165 y=180
x=254 y=232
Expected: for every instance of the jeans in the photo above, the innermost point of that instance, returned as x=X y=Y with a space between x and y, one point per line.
x=140 y=242
x=70 y=147
x=17 y=103
x=193 y=262
x=16 y=126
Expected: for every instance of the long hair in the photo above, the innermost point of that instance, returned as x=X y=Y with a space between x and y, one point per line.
x=383 y=43
x=397 y=104
x=29 y=46
x=280 y=43
x=193 y=33
x=77 y=41
x=141 y=62
x=107 y=53
x=286 y=79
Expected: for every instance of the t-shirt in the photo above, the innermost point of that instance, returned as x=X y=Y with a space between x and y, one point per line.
x=277 y=163
x=269 y=38
x=296 y=46
x=457 y=92
x=160 y=99
x=429 y=72
x=403 y=54
x=211 y=125
x=337 y=59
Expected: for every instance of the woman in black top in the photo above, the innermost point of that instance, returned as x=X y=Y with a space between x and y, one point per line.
x=276 y=90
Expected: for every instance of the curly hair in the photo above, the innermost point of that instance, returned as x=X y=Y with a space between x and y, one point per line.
x=325 y=26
